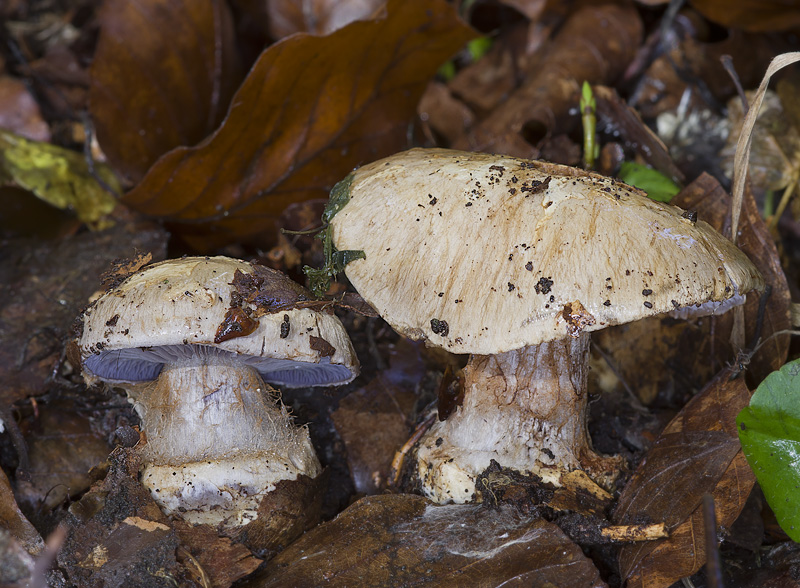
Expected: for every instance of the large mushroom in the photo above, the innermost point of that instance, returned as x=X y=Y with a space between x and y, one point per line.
x=192 y=341
x=515 y=262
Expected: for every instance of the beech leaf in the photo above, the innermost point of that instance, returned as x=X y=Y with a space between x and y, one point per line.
x=162 y=77
x=404 y=540
x=310 y=110
x=697 y=453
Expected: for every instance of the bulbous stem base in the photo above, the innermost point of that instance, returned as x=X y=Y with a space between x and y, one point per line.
x=217 y=440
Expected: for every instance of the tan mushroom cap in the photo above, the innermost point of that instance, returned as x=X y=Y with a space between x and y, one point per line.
x=132 y=330
x=481 y=253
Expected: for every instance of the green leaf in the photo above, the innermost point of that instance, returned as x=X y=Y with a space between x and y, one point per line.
x=657 y=185
x=769 y=430
x=319 y=280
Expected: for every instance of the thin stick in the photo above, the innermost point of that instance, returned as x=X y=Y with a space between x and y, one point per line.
x=630 y=533
x=400 y=456
x=713 y=559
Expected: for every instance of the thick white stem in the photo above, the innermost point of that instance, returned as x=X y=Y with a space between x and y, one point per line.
x=526 y=409
x=217 y=440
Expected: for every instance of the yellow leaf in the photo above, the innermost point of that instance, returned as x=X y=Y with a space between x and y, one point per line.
x=58 y=176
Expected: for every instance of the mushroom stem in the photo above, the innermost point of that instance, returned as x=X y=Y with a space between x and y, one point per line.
x=524 y=408
x=217 y=440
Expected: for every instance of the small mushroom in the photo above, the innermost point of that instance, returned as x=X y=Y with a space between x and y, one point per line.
x=193 y=341
x=582 y=252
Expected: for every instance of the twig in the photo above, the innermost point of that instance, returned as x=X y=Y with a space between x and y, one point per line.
x=400 y=456
x=713 y=560
x=727 y=63
x=630 y=533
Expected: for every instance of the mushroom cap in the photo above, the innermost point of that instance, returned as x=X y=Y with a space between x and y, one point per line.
x=175 y=311
x=480 y=253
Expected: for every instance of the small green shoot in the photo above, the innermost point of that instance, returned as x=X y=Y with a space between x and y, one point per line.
x=591 y=148
x=769 y=430
x=319 y=280
x=658 y=186
x=475 y=49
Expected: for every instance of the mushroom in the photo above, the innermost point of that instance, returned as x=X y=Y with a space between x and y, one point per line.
x=192 y=341
x=515 y=262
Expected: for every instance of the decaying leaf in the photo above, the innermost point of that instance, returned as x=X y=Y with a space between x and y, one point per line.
x=58 y=176
x=62 y=449
x=310 y=109
x=162 y=77
x=712 y=204
x=751 y=15
x=442 y=113
x=617 y=118
x=697 y=453
x=404 y=540
x=485 y=84
x=212 y=560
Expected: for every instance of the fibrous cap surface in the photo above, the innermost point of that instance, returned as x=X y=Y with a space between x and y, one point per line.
x=480 y=253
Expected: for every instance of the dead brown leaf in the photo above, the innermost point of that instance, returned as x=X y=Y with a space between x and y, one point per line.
x=310 y=109
x=216 y=560
x=697 y=453
x=441 y=113
x=62 y=449
x=486 y=83
x=285 y=513
x=404 y=540
x=616 y=118
x=162 y=77
x=751 y=15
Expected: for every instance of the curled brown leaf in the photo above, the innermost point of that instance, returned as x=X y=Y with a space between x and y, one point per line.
x=310 y=109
